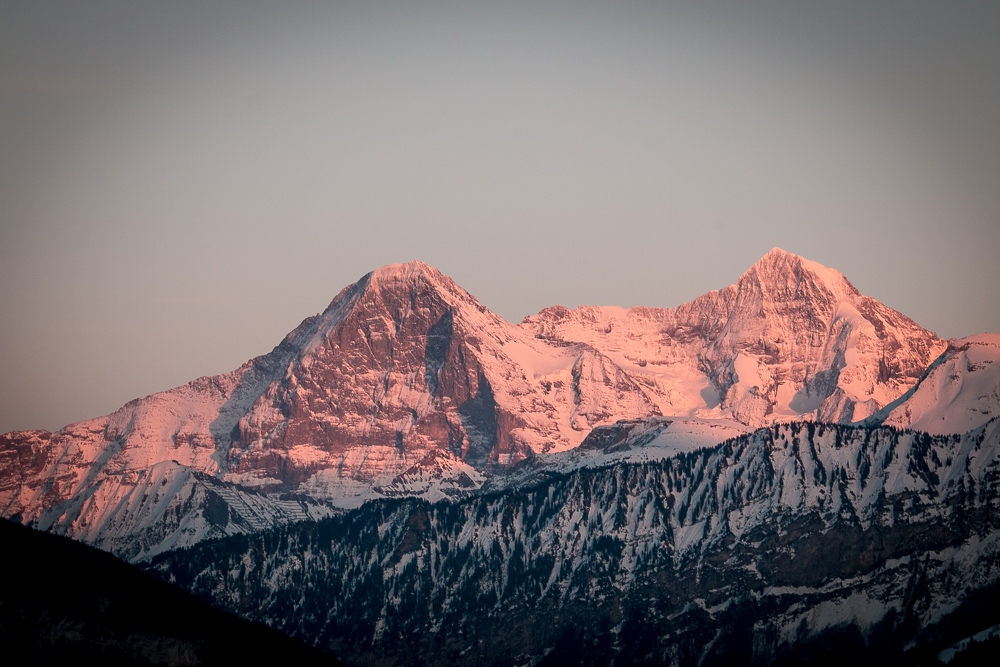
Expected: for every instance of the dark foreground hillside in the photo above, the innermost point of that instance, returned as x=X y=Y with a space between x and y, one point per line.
x=62 y=602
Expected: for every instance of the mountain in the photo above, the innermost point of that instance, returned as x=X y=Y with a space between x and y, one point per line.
x=791 y=339
x=783 y=471
x=960 y=391
x=407 y=386
x=62 y=602
x=799 y=543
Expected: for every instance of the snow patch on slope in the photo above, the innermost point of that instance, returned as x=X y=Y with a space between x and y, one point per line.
x=960 y=392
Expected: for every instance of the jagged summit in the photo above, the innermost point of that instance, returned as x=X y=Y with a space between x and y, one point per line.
x=780 y=254
x=409 y=273
x=780 y=274
x=393 y=285
x=391 y=293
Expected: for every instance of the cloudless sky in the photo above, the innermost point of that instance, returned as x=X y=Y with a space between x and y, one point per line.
x=182 y=183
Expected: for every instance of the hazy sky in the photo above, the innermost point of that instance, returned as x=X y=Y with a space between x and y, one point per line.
x=182 y=183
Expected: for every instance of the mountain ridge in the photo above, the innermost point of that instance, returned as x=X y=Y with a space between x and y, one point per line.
x=778 y=310
x=791 y=540
x=406 y=385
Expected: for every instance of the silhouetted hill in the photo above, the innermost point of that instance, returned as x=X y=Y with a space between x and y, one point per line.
x=62 y=601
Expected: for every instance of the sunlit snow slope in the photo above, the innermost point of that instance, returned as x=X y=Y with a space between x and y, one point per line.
x=959 y=392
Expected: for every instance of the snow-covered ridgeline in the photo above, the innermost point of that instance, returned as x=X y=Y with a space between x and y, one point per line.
x=958 y=392
x=790 y=340
x=139 y=514
x=798 y=526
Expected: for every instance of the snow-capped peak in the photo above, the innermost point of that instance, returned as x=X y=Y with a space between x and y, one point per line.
x=406 y=273
x=407 y=281
x=780 y=274
x=791 y=339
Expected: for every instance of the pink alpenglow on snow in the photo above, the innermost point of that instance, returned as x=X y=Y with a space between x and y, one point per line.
x=407 y=386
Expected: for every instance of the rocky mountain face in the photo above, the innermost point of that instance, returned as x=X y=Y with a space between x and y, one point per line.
x=406 y=386
x=793 y=542
x=790 y=340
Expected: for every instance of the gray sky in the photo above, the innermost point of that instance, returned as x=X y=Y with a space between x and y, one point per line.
x=182 y=183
